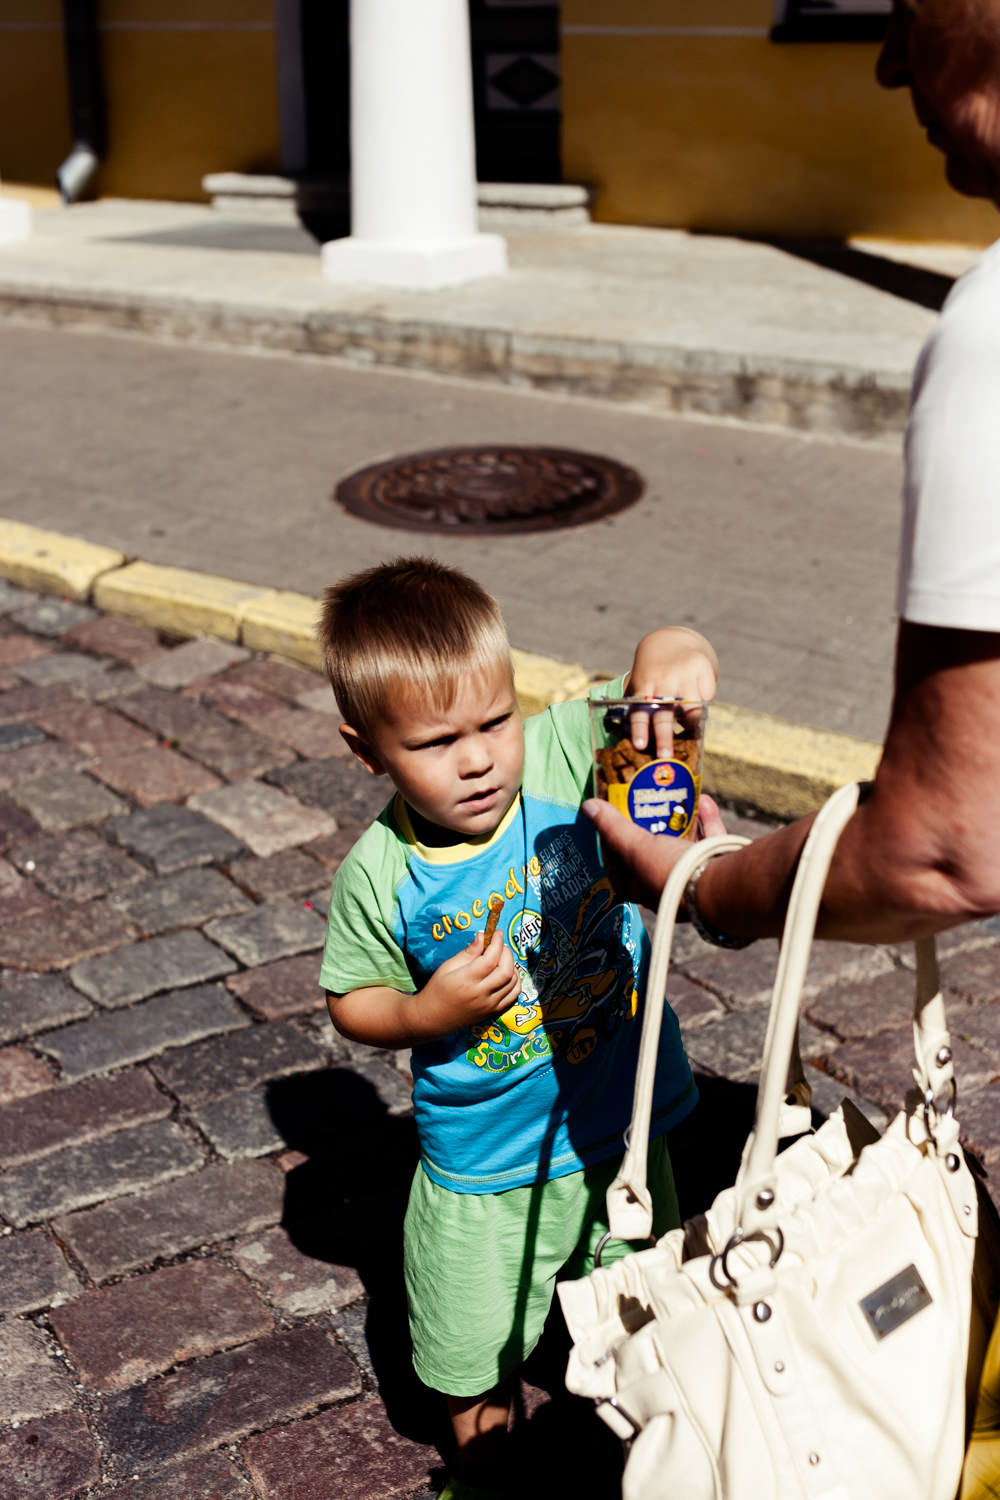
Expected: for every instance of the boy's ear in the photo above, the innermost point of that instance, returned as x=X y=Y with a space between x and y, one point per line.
x=361 y=750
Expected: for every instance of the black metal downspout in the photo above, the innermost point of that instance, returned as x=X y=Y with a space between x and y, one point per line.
x=86 y=98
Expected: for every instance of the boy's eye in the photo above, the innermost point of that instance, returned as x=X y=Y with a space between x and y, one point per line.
x=436 y=744
x=498 y=722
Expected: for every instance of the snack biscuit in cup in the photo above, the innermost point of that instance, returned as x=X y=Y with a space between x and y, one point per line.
x=657 y=787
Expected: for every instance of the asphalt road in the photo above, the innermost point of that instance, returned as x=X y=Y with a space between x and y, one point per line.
x=780 y=548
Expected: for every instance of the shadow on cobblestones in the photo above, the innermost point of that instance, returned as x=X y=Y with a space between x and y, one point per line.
x=705 y=1148
x=344 y=1205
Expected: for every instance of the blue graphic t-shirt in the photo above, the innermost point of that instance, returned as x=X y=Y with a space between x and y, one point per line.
x=546 y=1088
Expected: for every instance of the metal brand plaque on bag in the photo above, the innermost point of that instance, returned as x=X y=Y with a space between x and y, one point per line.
x=895 y=1302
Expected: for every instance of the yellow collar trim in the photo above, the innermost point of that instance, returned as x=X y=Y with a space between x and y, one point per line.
x=450 y=854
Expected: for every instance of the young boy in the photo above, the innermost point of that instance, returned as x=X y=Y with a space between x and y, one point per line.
x=525 y=1044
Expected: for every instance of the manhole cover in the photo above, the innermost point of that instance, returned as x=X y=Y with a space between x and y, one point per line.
x=468 y=491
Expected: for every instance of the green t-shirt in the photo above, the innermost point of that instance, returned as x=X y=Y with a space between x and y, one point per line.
x=546 y=1088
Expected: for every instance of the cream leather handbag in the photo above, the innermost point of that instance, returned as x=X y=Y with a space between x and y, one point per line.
x=819 y=1332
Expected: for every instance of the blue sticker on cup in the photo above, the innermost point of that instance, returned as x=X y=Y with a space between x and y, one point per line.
x=662 y=797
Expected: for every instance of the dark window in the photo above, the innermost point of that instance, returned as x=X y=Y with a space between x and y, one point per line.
x=516 y=81
x=832 y=21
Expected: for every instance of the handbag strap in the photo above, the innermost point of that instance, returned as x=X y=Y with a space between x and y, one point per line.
x=630 y=1208
x=756 y=1188
x=628 y=1200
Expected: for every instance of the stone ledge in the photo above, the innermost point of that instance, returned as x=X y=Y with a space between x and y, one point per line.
x=270 y=198
x=222 y=186
x=794 y=394
x=533 y=205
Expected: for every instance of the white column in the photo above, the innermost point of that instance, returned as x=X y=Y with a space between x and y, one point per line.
x=15 y=220
x=413 y=174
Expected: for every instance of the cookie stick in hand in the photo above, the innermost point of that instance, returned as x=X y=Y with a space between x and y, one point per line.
x=496 y=907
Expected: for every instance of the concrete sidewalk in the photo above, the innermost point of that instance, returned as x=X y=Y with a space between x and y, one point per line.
x=813 y=338
x=201 y=1185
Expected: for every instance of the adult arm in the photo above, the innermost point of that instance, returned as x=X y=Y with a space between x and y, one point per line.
x=921 y=854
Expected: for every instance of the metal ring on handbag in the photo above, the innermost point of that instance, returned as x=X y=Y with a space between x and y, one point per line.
x=739 y=1238
x=931 y=1104
x=607 y=1235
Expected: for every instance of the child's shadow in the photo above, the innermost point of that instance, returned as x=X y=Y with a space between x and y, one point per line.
x=345 y=1206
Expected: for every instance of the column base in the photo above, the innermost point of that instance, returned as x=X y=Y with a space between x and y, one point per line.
x=15 y=220
x=421 y=267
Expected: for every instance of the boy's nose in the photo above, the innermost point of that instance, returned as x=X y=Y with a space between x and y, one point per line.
x=476 y=756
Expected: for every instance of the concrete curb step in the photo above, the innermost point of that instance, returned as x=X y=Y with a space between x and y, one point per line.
x=795 y=394
x=778 y=768
x=259 y=197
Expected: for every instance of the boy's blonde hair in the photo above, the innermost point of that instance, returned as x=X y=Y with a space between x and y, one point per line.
x=410 y=624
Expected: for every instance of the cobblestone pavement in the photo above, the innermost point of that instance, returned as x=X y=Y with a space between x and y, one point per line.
x=201 y=1186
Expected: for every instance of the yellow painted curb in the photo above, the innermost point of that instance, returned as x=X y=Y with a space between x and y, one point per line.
x=283 y=624
x=50 y=563
x=539 y=681
x=176 y=599
x=779 y=768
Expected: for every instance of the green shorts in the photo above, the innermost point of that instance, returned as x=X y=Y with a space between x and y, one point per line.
x=481 y=1269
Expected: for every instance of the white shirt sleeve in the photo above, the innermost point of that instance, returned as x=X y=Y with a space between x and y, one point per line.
x=950 y=552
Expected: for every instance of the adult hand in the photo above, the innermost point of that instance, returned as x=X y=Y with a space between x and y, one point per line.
x=639 y=862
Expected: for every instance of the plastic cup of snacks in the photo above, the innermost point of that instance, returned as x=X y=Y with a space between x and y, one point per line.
x=658 y=785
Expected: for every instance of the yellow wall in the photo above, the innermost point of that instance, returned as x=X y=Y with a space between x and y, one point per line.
x=675 y=122
x=190 y=88
x=34 y=119
x=677 y=112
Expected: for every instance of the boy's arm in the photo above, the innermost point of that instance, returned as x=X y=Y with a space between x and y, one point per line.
x=474 y=985
x=674 y=662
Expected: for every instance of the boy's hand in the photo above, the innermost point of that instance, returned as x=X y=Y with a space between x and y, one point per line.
x=474 y=985
x=670 y=663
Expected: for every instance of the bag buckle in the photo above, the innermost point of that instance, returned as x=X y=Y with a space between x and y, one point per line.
x=621 y=1412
